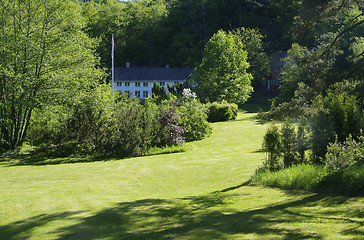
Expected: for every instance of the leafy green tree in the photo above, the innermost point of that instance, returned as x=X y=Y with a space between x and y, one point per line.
x=222 y=73
x=272 y=144
x=252 y=40
x=288 y=140
x=159 y=93
x=46 y=58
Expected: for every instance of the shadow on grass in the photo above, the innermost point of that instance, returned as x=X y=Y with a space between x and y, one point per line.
x=198 y=217
x=50 y=156
x=61 y=155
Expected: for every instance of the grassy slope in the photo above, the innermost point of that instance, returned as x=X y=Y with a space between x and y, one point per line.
x=199 y=194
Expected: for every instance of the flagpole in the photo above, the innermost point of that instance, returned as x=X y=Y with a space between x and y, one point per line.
x=112 y=66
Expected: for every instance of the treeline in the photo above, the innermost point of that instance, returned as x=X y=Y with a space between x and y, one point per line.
x=160 y=32
x=321 y=100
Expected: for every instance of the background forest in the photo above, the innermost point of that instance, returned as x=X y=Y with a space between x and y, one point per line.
x=56 y=59
x=158 y=32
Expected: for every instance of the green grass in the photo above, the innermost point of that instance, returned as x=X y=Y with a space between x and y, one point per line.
x=348 y=182
x=303 y=176
x=201 y=193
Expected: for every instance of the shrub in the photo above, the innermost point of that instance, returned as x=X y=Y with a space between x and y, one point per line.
x=95 y=124
x=338 y=114
x=343 y=155
x=288 y=139
x=47 y=125
x=89 y=121
x=193 y=118
x=273 y=145
x=301 y=176
x=222 y=111
x=349 y=181
x=317 y=178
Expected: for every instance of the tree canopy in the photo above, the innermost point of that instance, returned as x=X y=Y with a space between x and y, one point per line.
x=222 y=73
x=46 y=58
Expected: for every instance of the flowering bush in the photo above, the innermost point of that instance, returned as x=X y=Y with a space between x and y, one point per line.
x=187 y=93
x=343 y=155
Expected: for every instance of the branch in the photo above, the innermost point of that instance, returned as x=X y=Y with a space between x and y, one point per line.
x=360 y=55
x=342 y=33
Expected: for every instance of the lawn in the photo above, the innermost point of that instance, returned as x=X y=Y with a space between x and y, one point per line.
x=202 y=193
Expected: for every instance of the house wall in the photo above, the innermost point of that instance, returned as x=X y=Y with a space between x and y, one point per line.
x=141 y=88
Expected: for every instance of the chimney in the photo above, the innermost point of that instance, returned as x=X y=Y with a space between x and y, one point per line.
x=167 y=65
x=127 y=64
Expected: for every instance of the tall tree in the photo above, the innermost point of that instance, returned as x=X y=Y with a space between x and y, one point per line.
x=222 y=73
x=252 y=40
x=45 y=59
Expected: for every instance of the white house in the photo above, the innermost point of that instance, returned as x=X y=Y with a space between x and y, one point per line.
x=138 y=81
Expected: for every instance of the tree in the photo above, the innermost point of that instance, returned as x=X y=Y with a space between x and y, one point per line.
x=222 y=73
x=257 y=58
x=45 y=59
x=158 y=92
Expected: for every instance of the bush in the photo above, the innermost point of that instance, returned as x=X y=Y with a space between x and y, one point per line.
x=315 y=178
x=288 y=138
x=222 y=111
x=349 y=181
x=338 y=114
x=193 y=118
x=302 y=176
x=95 y=124
x=272 y=144
x=285 y=145
x=343 y=155
x=47 y=125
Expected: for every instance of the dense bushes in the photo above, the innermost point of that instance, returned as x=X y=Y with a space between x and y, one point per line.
x=222 y=111
x=340 y=156
x=193 y=118
x=285 y=145
x=122 y=127
x=340 y=162
x=316 y=178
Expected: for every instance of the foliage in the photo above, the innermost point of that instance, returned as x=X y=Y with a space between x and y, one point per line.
x=47 y=125
x=193 y=117
x=172 y=133
x=349 y=181
x=288 y=139
x=252 y=40
x=38 y=66
x=222 y=111
x=343 y=155
x=159 y=93
x=315 y=178
x=222 y=73
x=177 y=88
x=286 y=145
x=98 y=125
x=272 y=145
x=155 y=33
x=336 y=114
x=302 y=176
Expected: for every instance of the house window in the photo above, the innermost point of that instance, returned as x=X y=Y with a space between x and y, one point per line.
x=145 y=94
x=162 y=84
x=137 y=84
x=137 y=94
x=119 y=84
x=145 y=84
x=127 y=84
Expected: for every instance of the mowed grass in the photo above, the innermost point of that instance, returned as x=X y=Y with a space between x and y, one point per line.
x=198 y=194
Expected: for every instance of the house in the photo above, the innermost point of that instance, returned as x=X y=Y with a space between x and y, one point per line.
x=138 y=81
x=276 y=64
